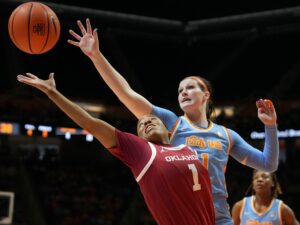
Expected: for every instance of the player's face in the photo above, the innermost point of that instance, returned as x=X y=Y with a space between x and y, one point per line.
x=152 y=129
x=190 y=95
x=262 y=182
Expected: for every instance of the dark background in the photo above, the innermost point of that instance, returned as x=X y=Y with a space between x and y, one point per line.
x=247 y=49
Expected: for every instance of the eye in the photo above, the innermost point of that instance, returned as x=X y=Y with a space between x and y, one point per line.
x=190 y=87
x=179 y=90
x=141 y=124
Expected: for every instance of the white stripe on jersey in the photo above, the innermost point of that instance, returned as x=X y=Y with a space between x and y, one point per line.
x=144 y=170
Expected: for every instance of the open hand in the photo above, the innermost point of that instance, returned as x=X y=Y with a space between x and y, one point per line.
x=43 y=85
x=88 y=42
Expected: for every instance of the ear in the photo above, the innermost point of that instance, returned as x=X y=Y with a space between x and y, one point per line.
x=207 y=94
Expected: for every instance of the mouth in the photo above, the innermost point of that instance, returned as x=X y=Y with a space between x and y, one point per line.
x=185 y=100
x=148 y=128
x=259 y=185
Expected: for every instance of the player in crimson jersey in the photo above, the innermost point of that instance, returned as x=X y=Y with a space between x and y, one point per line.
x=213 y=142
x=175 y=185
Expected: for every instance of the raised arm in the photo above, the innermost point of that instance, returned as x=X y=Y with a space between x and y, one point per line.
x=266 y=112
x=88 y=42
x=267 y=159
x=103 y=131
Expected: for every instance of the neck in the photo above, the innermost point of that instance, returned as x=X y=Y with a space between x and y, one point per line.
x=198 y=118
x=161 y=141
x=165 y=141
x=263 y=200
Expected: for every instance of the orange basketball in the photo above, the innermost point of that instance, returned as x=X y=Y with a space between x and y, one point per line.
x=34 y=28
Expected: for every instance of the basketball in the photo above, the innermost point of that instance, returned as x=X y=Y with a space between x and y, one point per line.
x=34 y=28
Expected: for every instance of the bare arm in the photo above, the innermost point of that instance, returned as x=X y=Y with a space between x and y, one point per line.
x=236 y=211
x=288 y=216
x=103 y=131
x=89 y=45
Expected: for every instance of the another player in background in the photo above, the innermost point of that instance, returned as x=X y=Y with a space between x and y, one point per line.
x=175 y=185
x=213 y=143
x=263 y=207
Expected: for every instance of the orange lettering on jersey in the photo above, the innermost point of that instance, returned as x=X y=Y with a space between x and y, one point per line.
x=195 y=141
x=255 y=222
x=252 y=222
x=266 y=223
x=214 y=144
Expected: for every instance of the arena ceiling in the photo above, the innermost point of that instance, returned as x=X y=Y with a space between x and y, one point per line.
x=248 y=50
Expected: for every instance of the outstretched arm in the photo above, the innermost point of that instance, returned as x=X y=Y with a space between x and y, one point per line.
x=88 y=42
x=103 y=131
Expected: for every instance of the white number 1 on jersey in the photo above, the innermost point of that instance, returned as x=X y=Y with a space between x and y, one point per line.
x=196 y=186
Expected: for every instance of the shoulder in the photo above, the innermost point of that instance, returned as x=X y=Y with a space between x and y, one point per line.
x=124 y=137
x=285 y=209
x=288 y=215
x=156 y=110
x=237 y=207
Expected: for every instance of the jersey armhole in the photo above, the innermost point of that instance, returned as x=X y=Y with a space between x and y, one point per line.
x=229 y=140
x=174 y=128
x=280 y=211
x=242 y=207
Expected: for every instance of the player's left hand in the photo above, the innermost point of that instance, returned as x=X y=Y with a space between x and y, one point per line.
x=266 y=112
x=88 y=41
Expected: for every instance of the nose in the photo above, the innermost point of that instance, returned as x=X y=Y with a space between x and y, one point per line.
x=259 y=179
x=146 y=123
x=183 y=92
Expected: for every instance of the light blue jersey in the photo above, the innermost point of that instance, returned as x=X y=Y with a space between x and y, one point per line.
x=214 y=144
x=249 y=216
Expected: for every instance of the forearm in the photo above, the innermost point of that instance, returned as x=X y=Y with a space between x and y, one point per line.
x=271 y=148
x=136 y=103
x=75 y=112
x=111 y=76
x=103 y=131
x=266 y=159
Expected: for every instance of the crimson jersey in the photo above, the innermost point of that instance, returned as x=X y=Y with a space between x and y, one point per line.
x=175 y=185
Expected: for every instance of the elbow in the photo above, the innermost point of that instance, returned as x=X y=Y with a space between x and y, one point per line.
x=271 y=166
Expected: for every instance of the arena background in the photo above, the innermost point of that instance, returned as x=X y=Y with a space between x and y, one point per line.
x=248 y=50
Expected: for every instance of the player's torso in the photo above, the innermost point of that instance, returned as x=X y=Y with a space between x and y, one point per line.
x=250 y=216
x=212 y=145
x=176 y=162
x=177 y=187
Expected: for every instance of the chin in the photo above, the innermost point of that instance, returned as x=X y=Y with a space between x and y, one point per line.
x=187 y=108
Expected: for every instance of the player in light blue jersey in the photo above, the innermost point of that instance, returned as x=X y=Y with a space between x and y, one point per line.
x=263 y=207
x=213 y=143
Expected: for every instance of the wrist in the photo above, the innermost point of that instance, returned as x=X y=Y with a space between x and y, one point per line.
x=271 y=125
x=50 y=92
x=96 y=55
